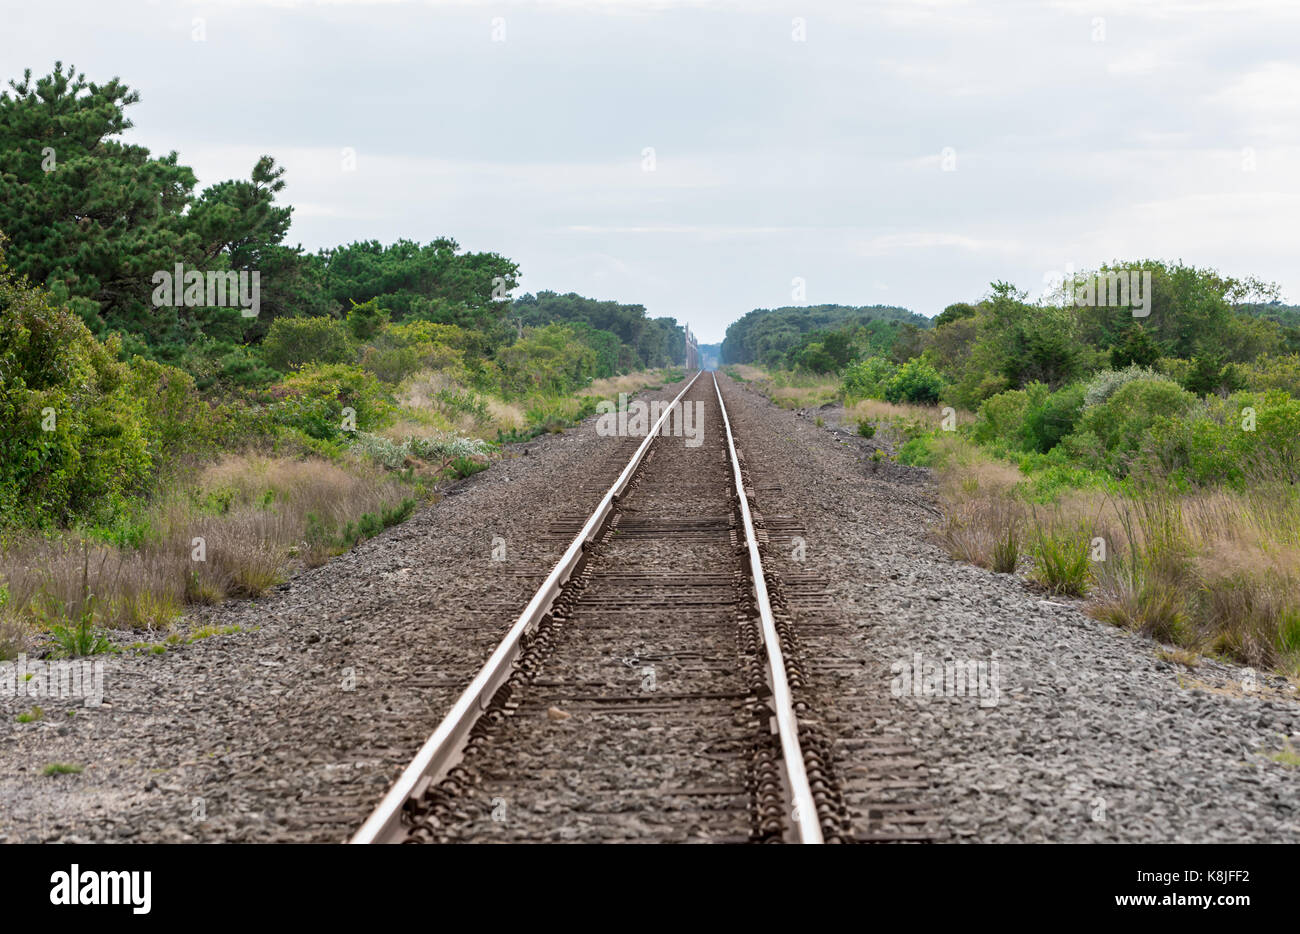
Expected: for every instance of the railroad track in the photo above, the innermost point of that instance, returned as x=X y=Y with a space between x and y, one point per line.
x=652 y=689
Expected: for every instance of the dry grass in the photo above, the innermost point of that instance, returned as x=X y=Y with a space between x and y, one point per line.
x=236 y=532
x=429 y=408
x=803 y=391
x=1178 y=656
x=13 y=636
x=629 y=383
x=985 y=531
x=745 y=372
x=1210 y=571
x=59 y=580
x=878 y=410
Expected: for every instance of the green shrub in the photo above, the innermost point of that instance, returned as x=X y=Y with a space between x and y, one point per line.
x=1124 y=421
x=1104 y=384
x=1273 y=447
x=391 y=364
x=1050 y=420
x=550 y=360
x=467 y=466
x=295 y=342
x=74 y=438
x=868 y=378
x=177 y=420
x=916 y=381
x=313 y=401
x=1002 y=417
x=916 y=452
x=364 y=321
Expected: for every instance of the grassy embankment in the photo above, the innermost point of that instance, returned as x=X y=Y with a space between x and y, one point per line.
x=152 y=496
x=1159 y=508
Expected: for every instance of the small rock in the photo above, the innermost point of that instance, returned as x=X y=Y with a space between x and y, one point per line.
x=555 y=713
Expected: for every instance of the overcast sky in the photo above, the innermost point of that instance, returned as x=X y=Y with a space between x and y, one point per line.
x=1076 y=133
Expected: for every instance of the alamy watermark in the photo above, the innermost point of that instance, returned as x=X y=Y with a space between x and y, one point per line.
x=63 y=679
x=636 y=419
x=213 y=289
x=920 y=677
x=1114 y=288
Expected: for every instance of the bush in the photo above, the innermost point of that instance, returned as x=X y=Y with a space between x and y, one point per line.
x=295 y=342
x=868 y=378
x=364 y=321
x=1002 y=417
x=73 y=442
x=393 y=454
x=1105 y=384
x=177 y=419
x=391 y=364
x=1123 y=422
x=1050 y=420
x=916 y=452
x=313 y=401
x=915 y=381
x=1209 y=374
x=550 y=360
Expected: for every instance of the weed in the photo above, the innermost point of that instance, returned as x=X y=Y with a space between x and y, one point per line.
x=1061 y=560
x=1287 y=755
x=62 y=768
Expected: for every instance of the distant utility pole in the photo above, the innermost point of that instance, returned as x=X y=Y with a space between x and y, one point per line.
x=692 y=350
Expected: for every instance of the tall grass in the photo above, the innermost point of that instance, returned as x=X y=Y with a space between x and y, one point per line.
x=235 y=532
x=1215 y=571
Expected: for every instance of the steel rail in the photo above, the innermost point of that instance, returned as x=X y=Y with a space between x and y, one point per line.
x=441 y=750
x=808 y=827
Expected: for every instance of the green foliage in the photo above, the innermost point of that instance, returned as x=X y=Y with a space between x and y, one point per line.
x=1061 y=560
x=371 y=524
x=93 y=219
x=646 y=342
x=821 y=352
x=431 y=282
x=767 y=336
x=549 y=360
x=868 y=379
x=1123 y=421
x=866 y=428
x=364 y=321
x=74 y=435
x=81 y=638
x=1051 y=419
x=466 y=467
x=313 y=401
x=955 y=312
x=916 y=381
x=1208 y=374
x=294 y=342
x=62 y=768
x=1136 y=347
x=1103 y=385
x=1002 y=417
x=1273 y=372
x=915 y=452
